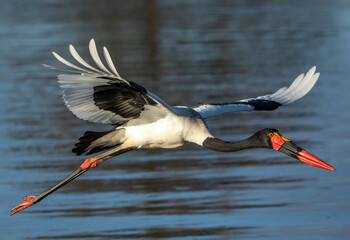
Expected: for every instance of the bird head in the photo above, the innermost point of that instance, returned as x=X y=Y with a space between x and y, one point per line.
x=272 y=138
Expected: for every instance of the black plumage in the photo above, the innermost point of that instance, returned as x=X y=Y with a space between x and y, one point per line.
x=264 y=105
x=258 y=104
x=125 y=100
x=87 y=139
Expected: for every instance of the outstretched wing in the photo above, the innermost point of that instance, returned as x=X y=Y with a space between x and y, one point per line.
x=100 y=95
x=284 y=96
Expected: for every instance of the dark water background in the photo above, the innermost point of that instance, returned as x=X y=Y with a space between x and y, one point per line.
x=187 y=52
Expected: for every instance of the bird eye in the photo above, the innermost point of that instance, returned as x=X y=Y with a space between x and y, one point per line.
x=270 y=134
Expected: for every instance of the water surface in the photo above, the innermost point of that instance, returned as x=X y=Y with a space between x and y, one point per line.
x=187 y=52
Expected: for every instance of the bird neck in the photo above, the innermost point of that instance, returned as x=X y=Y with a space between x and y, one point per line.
x=224 y=146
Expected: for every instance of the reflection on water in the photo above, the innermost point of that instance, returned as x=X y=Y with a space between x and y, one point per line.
x=186 y=52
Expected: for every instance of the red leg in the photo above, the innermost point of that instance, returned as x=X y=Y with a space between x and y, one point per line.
x=30 y=200
x=27 y=202
x=90 y=163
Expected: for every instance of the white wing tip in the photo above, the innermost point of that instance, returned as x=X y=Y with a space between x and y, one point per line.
x=317 y=74
x=92 y=42
x=313 y=70
x=87 y=68
x=298 y=89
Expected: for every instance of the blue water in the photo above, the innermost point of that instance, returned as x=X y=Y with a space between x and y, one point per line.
x=187 y=52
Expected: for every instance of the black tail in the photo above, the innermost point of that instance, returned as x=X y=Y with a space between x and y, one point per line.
x=89 y=143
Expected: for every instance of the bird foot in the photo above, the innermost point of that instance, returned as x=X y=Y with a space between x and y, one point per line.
x=90 y=163
x=27 y=202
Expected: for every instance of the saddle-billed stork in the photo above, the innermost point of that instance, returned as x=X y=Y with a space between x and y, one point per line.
x=141 y=119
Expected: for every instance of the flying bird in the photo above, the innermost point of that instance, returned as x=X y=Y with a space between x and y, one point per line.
x=142 y=120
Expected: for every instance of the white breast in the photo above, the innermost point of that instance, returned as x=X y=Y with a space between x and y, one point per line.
x=169 y=132
x=164 y=133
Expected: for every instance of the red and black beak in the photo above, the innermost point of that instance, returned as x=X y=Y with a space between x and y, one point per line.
x=286 y=146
